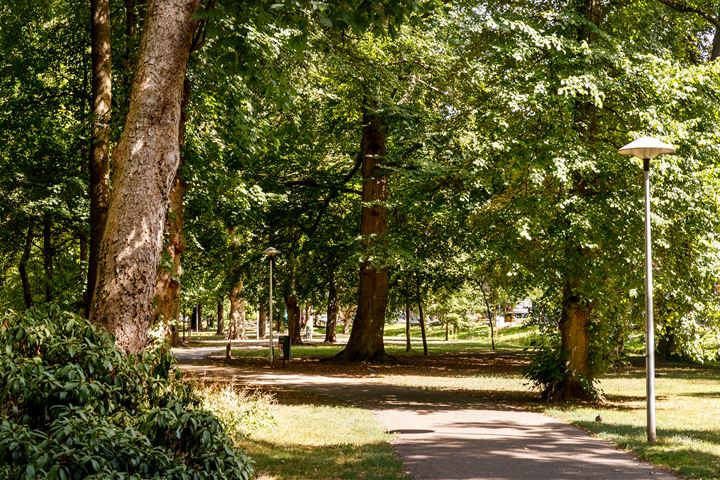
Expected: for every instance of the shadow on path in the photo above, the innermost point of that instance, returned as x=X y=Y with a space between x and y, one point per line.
x=451 y=435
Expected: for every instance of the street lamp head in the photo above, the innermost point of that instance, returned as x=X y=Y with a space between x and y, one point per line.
x=646 y=148
x=271 y=252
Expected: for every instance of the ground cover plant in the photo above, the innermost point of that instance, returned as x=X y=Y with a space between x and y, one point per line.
x=72 y=406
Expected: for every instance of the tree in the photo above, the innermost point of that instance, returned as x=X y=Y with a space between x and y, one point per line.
x=100 y=152
x=146 y=161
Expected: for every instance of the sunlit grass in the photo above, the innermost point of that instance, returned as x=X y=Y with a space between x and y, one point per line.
x=323 y=442
x=688 y=418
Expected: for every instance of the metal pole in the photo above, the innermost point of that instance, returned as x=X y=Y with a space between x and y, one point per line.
x=271 y=311
x=649 y=326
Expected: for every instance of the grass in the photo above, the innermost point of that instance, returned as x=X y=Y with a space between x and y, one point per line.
x=509 y=338
x=688 y=418
x=688 y=410
x=314 y=440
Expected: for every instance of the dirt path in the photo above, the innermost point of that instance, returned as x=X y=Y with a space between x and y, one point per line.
x=453 y=436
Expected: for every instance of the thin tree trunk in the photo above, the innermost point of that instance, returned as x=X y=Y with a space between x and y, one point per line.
x=715 y=52
x=194 y=324
x=22 y=267
x=447 y=329
x=262 y=321
x=101 y=56
x=408 y=347
x=236 y=319
x=48 y=255
x=366 y=338
x=490 y=315
x=332 y=311
x=422 y=318
x=146 y=161
x=293 y=313
x=220 y=318
x=347 y=317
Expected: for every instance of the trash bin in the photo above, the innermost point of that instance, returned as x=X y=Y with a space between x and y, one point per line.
x=285 y=347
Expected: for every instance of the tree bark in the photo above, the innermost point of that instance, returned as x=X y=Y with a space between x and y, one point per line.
x=220 y=318
x=422 y=318
x=490 y=315
x=146 y=162
x=408 y=347
x=262 y=322
x=22 y=267
x=48 y=257
x=194 y=324
x=332 y=311
x=167 y=289
x=293 y=314
x=101 y=56
x=575 y=347
x=347 y=317
x=236 y=319
x=366 y=338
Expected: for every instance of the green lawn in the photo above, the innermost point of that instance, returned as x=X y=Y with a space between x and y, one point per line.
x=688 y=418
x=312 y=440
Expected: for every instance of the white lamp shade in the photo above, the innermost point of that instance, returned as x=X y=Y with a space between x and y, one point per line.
x=646 y=147
x=271 y=252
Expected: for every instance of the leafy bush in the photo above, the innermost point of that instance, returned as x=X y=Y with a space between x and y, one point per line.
x=72 y=406
x=548 y=371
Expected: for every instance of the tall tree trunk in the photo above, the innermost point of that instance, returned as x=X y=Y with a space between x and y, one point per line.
x=220 y=318
x=418 y=295
x=194 y=322
x=715 y=52
x=22 y=267
x=408 y=347
x=490 y=314
x=366 y=339
x=146 y=161
x=167 y=289
x=575 y=315
x=48 y=255
x=575 y=346
x=236 y=319
x=293 y=314
x=262 y=322
x=332 y=311
x=101 y=56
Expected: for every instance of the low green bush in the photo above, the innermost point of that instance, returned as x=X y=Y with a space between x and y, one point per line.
x=72 y=406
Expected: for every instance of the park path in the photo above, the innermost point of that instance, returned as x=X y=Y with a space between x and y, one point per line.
x=451 y=436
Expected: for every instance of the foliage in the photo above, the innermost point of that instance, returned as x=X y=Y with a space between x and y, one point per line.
x=74 y=407
x=240 y=409
x=548 y=370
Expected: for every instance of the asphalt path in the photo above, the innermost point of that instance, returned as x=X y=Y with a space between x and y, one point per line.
x=444 y=435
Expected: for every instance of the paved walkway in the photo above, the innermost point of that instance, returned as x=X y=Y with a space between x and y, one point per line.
x=451 y=436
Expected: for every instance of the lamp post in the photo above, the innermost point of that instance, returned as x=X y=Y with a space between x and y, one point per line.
x=648 y=148
x=271 y=252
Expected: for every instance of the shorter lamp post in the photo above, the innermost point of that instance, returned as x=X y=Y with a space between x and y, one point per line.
x=271 y=252
x=648 y=148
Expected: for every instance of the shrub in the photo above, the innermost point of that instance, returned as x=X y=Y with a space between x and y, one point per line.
x=548 y=370
x=72 y=406
x=240 y=409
